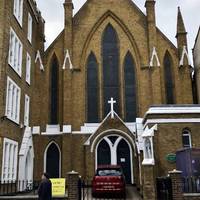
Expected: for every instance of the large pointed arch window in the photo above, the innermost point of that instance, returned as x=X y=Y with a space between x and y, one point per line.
x=110 y=53
x=169 y=82
x=130 y=88
x=92 y=89
x=54 y=91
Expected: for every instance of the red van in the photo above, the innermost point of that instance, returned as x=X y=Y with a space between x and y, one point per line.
x=109 y=180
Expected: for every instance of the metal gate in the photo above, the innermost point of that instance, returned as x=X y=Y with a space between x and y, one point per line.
x=164 y=188
x=85 y=192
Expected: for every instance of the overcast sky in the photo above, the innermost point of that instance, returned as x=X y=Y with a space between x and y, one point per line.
x=166 y=15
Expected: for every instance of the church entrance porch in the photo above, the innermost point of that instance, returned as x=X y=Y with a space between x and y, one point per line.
x=115 y=150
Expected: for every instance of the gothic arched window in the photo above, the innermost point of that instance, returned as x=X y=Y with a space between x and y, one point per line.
x=92 y=89
x=169 y=83
x=186 y=139
x=130 y=88
x=54 y=73
x=110 y=53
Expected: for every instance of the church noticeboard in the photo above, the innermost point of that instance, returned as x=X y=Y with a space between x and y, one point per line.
x=58 y=186
x=171 y=158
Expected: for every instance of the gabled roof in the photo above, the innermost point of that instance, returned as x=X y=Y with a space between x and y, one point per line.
x=116 y=116
x=88 y=1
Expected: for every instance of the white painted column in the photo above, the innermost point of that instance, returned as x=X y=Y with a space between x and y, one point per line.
x=11 y=162
x=7 y=147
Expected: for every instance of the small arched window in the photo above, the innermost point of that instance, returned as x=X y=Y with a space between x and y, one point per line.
x=186 y=139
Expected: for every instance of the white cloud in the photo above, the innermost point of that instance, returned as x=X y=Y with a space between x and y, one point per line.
x=166 y=12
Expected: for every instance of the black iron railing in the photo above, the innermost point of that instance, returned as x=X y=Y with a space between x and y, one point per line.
x=18 y=186
x=191 y=184
x=164 y=188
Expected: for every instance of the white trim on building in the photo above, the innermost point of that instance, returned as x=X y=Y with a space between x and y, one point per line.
x=13 y=96
x=15 y=52
x=26 y=160
x=30 y=28
x=26 y=110
x=9 y=162
x=186 y=138
x=28 y=68
x=113 y=152
x=18 y=10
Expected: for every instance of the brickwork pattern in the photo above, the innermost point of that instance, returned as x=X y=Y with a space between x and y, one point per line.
x=191 y=197
x=73 y=185
x=177 y=185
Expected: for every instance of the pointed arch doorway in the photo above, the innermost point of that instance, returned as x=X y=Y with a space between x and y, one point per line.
x=52 y=160
x=115 y=150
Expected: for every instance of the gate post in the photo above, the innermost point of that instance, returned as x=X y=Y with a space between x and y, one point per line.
x=149 y=191
x=73 y=178
x=177 y=184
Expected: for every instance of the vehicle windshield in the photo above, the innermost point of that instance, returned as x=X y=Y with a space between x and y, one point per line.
x=109 y=172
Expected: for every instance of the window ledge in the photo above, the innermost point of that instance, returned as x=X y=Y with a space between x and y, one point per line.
x=12 y=120
x=148 y=161
x=18 y=21
x=17 y=72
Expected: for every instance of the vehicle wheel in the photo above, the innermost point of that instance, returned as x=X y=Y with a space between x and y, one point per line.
x=124 y=195
x=94 y=195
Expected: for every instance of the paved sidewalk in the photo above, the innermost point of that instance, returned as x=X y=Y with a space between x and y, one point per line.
x=131 y=194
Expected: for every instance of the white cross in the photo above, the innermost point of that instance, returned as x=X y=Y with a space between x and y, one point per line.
x=112 y=102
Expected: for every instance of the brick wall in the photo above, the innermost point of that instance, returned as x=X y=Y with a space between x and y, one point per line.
x=191 y=196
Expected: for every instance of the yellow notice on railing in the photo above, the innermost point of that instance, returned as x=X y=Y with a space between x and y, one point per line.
x=58 y=186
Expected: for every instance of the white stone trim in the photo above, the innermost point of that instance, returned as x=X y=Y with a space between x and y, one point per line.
x=113 y=151
x=13 y=97
x=28 y=68
x=26 y=110
x=184 y=53
x=30 y=28
x=26 y=159
x=107 y=131
x=166 y=121
x=148 y=162
x=18 y=11
x=173 y=110
x=15 y=52
x=149 y=132
x=148 y=135
x=153 y=57
x=67 y=57
x=38 y=58
x=56 y=130
x=45 y=157
x=9 y=160
x=188 y=134
x=131 y=126
x=36 y=130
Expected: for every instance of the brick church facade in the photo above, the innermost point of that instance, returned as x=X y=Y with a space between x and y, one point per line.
x=110 y=89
